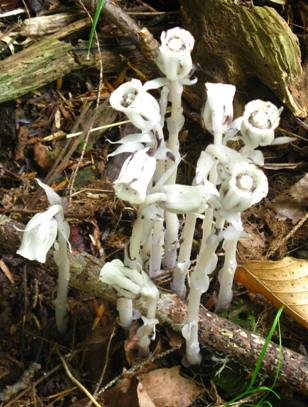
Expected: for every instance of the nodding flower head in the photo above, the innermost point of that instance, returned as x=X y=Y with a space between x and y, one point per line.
x=140 y=107
x=174 y=58
x=259 y=122
x=129 y=283
x=135 y=176
x=40 y=234
x=218 y=109
x=246 y=186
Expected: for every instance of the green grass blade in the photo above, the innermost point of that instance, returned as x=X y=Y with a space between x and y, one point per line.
x=248 y=392
x=264 y=349
x=99 y=7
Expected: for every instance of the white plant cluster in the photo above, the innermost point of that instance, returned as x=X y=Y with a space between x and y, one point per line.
x=226 y=183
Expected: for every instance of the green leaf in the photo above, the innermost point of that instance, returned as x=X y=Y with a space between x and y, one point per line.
x=99 y=7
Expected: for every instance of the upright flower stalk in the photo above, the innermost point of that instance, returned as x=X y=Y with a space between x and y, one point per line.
x=43 y=231
x=217 y=117
x=174 y=60
x=226 y=183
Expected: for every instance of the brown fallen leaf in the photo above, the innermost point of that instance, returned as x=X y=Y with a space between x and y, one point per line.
x=299 y=191
x=167 y=388
x=283 y=282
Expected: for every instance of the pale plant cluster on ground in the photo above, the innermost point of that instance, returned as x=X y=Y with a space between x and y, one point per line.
x=226 y=183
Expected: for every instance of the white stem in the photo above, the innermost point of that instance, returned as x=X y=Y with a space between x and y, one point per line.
x=146 y=243
x=226 y=275
x=125 y=310
x=157 y=244
x=146 y=332
x=183 y=263
x=62 y=261
x=207 y=224
x=192 y=341
x=133 y=258
x=171 y=240
x=174 y=124
x=206 y=263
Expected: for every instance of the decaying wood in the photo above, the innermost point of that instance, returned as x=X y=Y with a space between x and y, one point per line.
x=216 y=333
x=45 y=25
x=50 y=59
x=238 y=42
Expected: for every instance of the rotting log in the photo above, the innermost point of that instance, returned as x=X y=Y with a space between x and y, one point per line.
x=47 y=60
x=216 y=334
x=238 y=42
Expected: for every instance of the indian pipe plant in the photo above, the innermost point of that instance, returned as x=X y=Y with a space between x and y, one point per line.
x=226 y=183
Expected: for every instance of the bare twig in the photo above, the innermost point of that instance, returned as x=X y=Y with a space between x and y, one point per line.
x=77 y=382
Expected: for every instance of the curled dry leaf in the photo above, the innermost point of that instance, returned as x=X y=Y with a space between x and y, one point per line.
x=299 y=191
x=283 y=282
x=167 y=388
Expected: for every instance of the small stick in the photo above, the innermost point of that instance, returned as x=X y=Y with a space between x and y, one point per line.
x=80 y=386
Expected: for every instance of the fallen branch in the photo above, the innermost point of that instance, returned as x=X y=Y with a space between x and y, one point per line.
x=216 y=333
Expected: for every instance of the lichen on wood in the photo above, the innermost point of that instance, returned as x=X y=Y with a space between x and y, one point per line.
x=236 y=42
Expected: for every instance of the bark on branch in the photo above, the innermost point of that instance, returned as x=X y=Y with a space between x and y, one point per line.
x=215 y=333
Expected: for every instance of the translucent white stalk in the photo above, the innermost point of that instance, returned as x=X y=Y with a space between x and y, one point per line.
x=157 y=244
x=183 y=262
x=133 y=258
x=146 y=332
x=62 y=260
x=204 y=165
x=199 y=283
x=125 y=310
x=226 y=275
x=174 y=125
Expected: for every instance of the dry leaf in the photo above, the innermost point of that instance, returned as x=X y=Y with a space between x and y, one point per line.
x=43 y=156
x=167 y=388
x=143 y=397
x=299 y=191
x=283 y=282
x=289 y=210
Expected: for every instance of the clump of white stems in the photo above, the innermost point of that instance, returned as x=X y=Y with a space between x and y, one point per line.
x=227 y=182
x=240 y=184
x=130 y=284
x=43 y=231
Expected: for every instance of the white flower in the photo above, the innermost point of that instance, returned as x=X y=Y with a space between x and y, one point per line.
x=246 y=186
x=259 y=122
x=135 y=176
x=174 y=58
x=179 y=198
x=218 y=109
x=125 y=281
x=129 y=283
x=40 y=234
x=140 y=107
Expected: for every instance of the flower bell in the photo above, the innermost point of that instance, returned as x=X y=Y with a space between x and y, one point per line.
x=218 y=109
x=140 y=107
x=130 y=283
x=135 y=176
x=125 y=281
x=40 y=234
x=246 y=186
x=179 y=198
x=259 y=122
x=174 y=58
